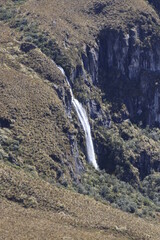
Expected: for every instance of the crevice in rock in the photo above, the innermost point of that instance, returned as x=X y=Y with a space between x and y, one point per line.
x=5 y=123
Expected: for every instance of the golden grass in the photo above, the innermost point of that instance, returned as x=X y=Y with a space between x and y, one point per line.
x=74 y=21
x=60 y=213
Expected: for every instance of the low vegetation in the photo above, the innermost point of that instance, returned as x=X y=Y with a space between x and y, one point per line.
x=29 y=32
x=107 y=188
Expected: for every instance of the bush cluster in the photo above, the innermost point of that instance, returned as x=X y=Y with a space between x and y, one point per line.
x=122 y=195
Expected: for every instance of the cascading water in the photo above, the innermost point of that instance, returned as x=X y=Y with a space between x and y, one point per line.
x=85 y=124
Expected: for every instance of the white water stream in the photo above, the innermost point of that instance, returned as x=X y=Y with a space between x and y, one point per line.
x=82 y=115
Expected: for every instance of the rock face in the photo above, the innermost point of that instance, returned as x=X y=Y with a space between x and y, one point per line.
x=129 y=67
x=90 y=63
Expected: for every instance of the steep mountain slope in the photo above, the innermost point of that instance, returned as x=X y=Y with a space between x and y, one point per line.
x=110 y=53
x=116 y=52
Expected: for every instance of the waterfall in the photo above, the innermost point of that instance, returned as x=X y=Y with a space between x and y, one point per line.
x=82 y=115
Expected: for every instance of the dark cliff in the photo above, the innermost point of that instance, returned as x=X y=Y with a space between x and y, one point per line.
x=123 y=70
x=129 y=72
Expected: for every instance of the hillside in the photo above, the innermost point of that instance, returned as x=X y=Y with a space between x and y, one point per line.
x=110 y=51
x=56 y=213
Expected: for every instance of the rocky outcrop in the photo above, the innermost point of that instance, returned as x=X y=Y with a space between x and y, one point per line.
x=126 y=67
x=90 y=62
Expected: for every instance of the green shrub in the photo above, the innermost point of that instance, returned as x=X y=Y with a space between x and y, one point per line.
x=120 y=194
x=104 y=192
x=5 y=14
